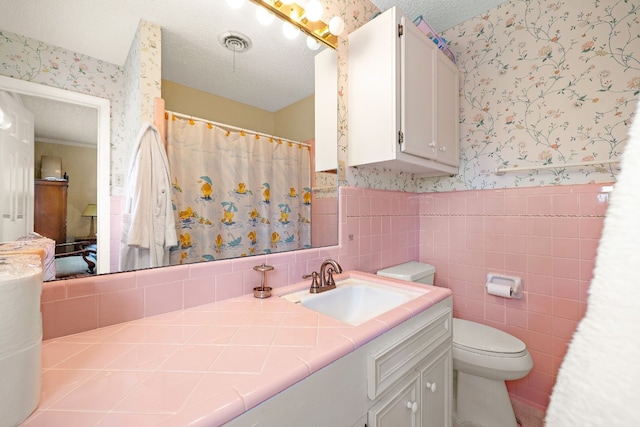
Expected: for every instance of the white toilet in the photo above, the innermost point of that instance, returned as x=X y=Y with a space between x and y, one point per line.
x=483 y=359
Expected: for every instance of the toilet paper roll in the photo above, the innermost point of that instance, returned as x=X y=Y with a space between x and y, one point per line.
x=499 y=290
x=20 y=385
x=20 y=292
x=20 y=336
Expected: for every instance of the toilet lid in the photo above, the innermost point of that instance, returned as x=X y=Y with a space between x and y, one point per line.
x=476 y=336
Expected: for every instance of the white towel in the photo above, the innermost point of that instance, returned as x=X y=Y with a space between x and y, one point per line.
x=599 y=380
x=148 y=228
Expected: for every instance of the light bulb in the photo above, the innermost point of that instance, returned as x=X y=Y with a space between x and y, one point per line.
x=235 y=4
x=290 y=31
x=336 y=25
x=313 y=11
x=264 y=16
x=312 y=43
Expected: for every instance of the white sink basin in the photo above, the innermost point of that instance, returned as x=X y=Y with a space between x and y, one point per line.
x=354 y=300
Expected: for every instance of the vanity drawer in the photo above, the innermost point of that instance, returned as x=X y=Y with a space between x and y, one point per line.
x=388 y=365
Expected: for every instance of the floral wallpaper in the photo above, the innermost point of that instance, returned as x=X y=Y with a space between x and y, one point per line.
x=135 y=84
x=35 y=61
x=542 y=83
x=142 y=76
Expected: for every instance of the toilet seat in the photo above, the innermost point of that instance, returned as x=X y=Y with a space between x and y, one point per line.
x=482 y=339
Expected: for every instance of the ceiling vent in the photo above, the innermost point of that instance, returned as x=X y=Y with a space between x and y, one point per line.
x=234 y=41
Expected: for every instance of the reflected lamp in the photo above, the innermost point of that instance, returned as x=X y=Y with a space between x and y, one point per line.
x=91 y=211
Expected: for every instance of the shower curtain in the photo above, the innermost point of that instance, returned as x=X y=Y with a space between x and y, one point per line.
x=236 y=193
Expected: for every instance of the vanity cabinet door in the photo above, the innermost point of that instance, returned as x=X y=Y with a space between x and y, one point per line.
x=400 y=407
x=436 y=380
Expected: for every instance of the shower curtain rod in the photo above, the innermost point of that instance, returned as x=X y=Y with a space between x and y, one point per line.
x=234 y=128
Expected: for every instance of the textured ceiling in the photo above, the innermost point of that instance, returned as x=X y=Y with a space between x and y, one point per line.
x=54 y=119
x=440 y=14
x=273 y=74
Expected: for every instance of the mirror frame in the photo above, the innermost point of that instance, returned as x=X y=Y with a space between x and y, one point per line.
x=103 y=148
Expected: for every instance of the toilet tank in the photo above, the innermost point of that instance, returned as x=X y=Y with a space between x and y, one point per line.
x=411 y=271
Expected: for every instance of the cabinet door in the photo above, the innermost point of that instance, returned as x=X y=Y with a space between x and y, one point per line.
x=447 y=102
x=374 y=114
x=436 y=391
x=417 y=86
x=326 y=120
x=400 y=407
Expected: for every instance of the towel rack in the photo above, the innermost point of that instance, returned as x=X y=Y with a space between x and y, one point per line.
x=502 y=171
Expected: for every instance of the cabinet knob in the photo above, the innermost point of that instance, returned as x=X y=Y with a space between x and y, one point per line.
x=443 y=148
x=432 y=387
x=413 y=406
x=432 y=144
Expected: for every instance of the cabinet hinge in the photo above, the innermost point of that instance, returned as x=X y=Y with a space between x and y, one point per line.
x=400 y=137
x=400 y=30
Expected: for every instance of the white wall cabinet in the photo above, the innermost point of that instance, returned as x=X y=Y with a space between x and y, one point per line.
x=381 y=384
x=403 y=99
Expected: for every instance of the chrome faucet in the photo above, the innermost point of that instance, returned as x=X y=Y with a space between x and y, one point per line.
x=334 y=267
x=327 y=269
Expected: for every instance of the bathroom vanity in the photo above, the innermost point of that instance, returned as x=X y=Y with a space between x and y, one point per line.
x=246 y=361
x=402 y=378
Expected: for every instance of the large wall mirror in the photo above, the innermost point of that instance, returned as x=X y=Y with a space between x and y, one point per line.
x=233 y=70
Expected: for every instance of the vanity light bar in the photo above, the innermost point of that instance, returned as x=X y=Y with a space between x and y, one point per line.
x=319 y=30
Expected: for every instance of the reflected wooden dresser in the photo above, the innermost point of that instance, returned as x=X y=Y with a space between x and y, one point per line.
x=50 y=209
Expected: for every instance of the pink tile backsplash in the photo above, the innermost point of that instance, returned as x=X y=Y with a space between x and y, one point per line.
x=121 y=306
x=76 y=305
x=546 y=235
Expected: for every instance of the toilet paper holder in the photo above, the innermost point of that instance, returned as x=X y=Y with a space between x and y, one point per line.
x=504 y=286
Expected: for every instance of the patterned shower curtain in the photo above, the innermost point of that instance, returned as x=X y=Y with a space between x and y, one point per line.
x=236 y=193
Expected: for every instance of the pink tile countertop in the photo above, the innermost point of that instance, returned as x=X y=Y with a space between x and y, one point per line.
x=200 y=366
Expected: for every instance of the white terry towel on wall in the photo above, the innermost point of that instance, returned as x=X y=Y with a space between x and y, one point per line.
x=599 y=380
x=148 y=228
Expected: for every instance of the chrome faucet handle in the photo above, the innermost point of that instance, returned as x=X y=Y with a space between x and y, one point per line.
x=315 y=286
x=328 y=267
x=330 y=281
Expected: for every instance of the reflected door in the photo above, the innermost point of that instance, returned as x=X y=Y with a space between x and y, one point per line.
x=16 y=169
